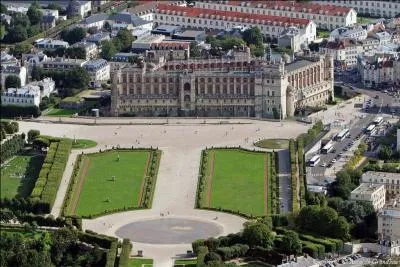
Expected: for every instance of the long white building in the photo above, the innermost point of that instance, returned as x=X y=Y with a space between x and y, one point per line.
x=325 y=16
x=381 y=8
x=207 y=18
x=26 y=96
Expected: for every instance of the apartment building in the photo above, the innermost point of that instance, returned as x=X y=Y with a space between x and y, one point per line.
x=380 y=8
x=25 y=96
x=391 y=181
x=213 y=19
x=50 y=44
x=7 y=59
x=324 y=16
x=374 y=193
x=62 y=64
x=91 y=49
x=344 y=52
x=356 y=33
x=99 y=70
x=389 y=221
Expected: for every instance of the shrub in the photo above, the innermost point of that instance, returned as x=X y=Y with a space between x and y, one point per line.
x=125 y=253
x=12 y=111
x=11 y=147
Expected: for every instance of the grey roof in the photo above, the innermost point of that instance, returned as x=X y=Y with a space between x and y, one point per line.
x=126 y=17
x=48 y=19
x=297 y=65
x=167 y=28
x=95 y=18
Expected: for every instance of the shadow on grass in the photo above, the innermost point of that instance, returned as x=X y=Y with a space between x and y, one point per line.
x=30 y=176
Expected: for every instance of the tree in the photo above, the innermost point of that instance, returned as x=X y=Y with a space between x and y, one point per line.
x=291 y=243
x=20 y=19
x=212 y=257
x=257 y=50
x=44 y=103
x=3 y=9
x=78 y=78
x=253 y=36
x=34 y=14
x=107 y=49
x=195 y=50
x=74 y=35
x=76 y=52
x=3 y=31
x=21 y=48
x=12 y=81
x=385 y=152
x=17 y=34
x=340 y=228
x=40 y=142
x=258 y=234
x=126 y=38
x=32 y=135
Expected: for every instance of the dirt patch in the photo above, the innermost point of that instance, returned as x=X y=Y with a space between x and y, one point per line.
x=146 y=170
x=266 y=185
x=209 y=180
x=79 y=187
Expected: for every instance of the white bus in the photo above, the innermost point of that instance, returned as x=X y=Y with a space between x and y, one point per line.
x=378 y=120
x=327 y=148
x=314 y=161
x=342 y=135
x=370 y=129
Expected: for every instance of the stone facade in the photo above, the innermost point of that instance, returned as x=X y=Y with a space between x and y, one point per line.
x=240 y=86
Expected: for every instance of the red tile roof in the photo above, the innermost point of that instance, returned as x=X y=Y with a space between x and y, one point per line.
x=312 y=8
x=194 y=12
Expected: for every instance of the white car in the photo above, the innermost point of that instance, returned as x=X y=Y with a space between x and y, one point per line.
x=323 y=164
x=333 y=160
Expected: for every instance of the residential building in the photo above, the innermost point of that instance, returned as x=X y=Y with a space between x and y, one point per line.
x=140 y=33
x=50 y=12
x=47 y=22
x=190 y=35
x=344 y=52
x=383 y=37
x=374 y=193
x=17 y=8
x=389 y=221
x=324 y=16
x=25 y=96
x=146 y=9
x=13 y=70
x=80 y=8
x=369 y=43
x=167 y=30
x=46 y=86
x=94 y=21
x=210 y=19
x=7 y=59
x=356 y=33
x=377 y=8
x=290 y=38
x=33 y=59
x=99 y=70
x=50 y=44
x=143 y=44
x=124 y=57
x=391 y=181
x=236 y=86
x=97 y=38
x=62 y=64
x=124 y=20
x=91 y=49
x=377 y=69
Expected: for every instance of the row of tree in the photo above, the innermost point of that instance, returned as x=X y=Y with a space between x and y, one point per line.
x=70 y=52
x=12 y=146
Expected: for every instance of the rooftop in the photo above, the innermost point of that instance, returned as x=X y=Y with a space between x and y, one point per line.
x=96 y=62
x=293 y=6
x=189 y=33
x=367 y=188
x=298 y=64
x=128 y=18
x=380 y=175
x=95 y=18
x=194 y=12
x=166 y=28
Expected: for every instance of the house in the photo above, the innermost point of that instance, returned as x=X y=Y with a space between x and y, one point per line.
x=32 y=59
x=290 y=38
x=391 y=181
x=62 y=64
x=356 y=33
x=383 y=37
x=51 y=44
x=97 y=38
x=91 y=49
x=79 y=8
x=389 y=221
x=50 y=12
x=125 y=20
x=13 y=70
x=99 y=71
x=94 y=21
x=47 y=22
x=25 y=96
x=143 y=44
x=7 y=59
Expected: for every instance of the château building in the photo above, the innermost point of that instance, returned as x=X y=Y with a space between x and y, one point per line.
x=238 y=85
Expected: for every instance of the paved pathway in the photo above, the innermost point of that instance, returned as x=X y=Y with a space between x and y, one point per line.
x=181 y=142
x=285 y=190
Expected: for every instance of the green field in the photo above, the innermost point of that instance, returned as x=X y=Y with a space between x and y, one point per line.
x=19 y=175
x=60 y=112
x=186 y=263
x=83 y=144
x=273 y=143
x=138 y=262
x=97 y=192
x=364 y=20
x=237 y=181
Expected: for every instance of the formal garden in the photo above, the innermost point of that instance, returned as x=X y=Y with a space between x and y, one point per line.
x=238 y=181
x=111 y=181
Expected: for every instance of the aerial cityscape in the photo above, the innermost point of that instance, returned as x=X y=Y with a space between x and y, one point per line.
x=200 y=133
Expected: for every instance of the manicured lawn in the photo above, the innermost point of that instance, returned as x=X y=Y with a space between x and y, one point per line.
x=83 y=143
x=18 y=176
x=237 y=181
x=322 y=34
x=98 y=190
x=273 y=143
x=138 y=262
x=187 y=263
x=60 y=112
x=363 y=20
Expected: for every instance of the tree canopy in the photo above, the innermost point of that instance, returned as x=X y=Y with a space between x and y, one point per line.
x=12 y=81
x=73 y=35
x=125 y=38
x=107 y=49
x=258 y=234
x=291 y=243
x=34 y=14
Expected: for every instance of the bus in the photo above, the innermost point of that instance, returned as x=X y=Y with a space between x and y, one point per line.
x=342 y=135
x=370 y=129
x=314 y=161
x=378 y=120
x=327 y=148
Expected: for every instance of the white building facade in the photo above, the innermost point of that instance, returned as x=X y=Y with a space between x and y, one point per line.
x=376 y=194
x=26 y=96
x=99 y=70
x=18 y=71
x=391 y=181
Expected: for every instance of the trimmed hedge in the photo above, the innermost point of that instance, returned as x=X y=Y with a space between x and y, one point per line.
x=125 y=253
x=302 y=170
x=315 y=250
x=11 y=147
x=293 y=175
x=111 y=254
x=51 y=173
x=151 y=179
x=277 y=191
x=329 y=245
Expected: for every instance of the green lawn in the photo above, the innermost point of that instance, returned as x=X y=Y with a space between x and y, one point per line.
x=363 y=20
x=273 y=143
x=138 y=262
x=238 y=181
x=60 y=112
x=83 y=144
x=99 y=192
x=18 y=176
x=322 y=33
x=187 y=263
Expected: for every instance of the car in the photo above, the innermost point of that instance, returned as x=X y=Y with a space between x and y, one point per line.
x=346 y=149
x=333 y=151
x=341 y=153
x=377 y=97
x=323 y=164
x=329 y=165
x=348 y=136
x=385 y=91
x=333 y=160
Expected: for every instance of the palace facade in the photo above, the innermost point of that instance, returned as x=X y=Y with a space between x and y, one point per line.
x=238 y=86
